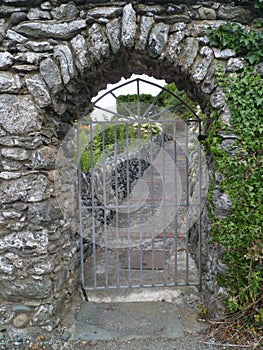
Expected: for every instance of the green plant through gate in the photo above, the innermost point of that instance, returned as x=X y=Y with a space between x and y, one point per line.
x=111 y=139
x=241 y=232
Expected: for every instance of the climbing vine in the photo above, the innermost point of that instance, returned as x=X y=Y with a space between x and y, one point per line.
x=240 y=234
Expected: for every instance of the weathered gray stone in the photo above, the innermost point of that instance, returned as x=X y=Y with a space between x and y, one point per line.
x=109 y=12
x=158 y=39
x=12 y=35
x=39 y=46
x=6 y=60
x=113 y=30
x=51 y=75
x=175 y=9
x=234 y=13
x=36 y=242
x=18 y=17
x=173 y=48
x=209 y=82
x=146 y=24
x=177 y=27
x=188 y=53
x=149 y=10
x=42 y=315
x=31 y=57
x=173 y=19
x=18 y=114
x=30 y=142
x=64 y=55
x=34 y=14
x=9 y=82
x=46 y=5
x=203 y=40
x=25 y=67
x=225 y=116
x=51 y=30
x=217 y=99
x=11 y=165
x=11 y=214
x=30 y=188
x=222 y=204
x=9 y=176
x=43 y=213
x=199 y=29
x=207 y=13
x=30 y=288
x=79 y=47
x=38 y=90
x=99 y=46
x=224 y=54
x=128 y=26
x=202 y=64
x=235 y=64
x=14 y=153
x=9 y=10
x=65 y=12
x=43 y=158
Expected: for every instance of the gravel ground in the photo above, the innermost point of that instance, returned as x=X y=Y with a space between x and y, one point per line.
x=64 y=341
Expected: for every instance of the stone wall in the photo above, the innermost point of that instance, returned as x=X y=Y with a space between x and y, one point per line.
x=54 y=56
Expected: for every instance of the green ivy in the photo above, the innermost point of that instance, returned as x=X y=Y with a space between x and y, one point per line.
x=246 y=43
x=240 y=234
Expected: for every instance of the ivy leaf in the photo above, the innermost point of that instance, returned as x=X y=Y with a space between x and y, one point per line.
x=252 y=57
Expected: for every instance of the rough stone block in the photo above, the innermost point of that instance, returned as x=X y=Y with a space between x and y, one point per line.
x=99 y=46
x=64 y=55
x=9 y=82
x=79 y=47
x=18 y=114
x=38 y=90
x=113 y=30
x=30 y=188
x=158 y=39
x=6 y=60
x=51 y=74
x=51 y=30
x=15 y=153
x=128 y=26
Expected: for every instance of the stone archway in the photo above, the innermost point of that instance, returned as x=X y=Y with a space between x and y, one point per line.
x=54 y=57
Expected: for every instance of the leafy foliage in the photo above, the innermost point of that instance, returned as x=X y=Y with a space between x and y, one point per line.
x=248 y=44
x=111 y=139
x=241 y=233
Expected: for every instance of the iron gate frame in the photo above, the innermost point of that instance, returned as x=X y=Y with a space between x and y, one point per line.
x=139 y=119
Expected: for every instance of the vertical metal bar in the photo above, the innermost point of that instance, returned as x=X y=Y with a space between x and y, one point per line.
x=164 y=210
x=187 y=206
x=200 y=218
x=80 y=207
x=138 y=99
x=94 y=245
x=177 y=207
x=105 y=206
x=152 y=201
x=128 y=203
x=117 y=207
x=140 y=203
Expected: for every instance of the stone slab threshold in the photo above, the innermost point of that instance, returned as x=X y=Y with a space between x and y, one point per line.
x=136 y=320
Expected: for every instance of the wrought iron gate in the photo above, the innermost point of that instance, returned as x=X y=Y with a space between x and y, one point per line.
x=140 y=193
